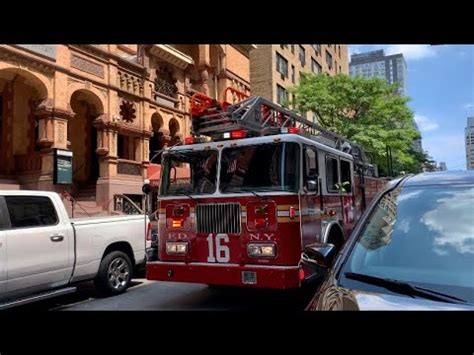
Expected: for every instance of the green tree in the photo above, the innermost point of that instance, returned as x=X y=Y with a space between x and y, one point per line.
x=368 y=111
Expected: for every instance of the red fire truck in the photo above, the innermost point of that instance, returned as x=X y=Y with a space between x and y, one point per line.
x=253 y=187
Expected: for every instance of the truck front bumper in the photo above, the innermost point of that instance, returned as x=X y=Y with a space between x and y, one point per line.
x=257 y=276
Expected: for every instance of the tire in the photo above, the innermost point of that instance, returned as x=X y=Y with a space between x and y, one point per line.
x=115 y=274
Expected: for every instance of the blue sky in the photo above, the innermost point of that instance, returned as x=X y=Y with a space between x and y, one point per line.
x=441 y=86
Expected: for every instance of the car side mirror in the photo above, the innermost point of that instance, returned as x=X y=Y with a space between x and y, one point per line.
x=319 y=254
x=312 y=185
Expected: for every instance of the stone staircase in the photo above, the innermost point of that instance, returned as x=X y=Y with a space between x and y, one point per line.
x=85 y=204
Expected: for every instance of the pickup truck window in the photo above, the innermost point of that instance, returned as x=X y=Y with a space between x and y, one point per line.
x=31 y=211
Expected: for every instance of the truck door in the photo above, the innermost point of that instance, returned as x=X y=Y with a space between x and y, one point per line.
x=347 y=192
x=38 y=244
x=310 y=197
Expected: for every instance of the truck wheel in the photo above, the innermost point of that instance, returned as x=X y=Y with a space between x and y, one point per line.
x=115 y=273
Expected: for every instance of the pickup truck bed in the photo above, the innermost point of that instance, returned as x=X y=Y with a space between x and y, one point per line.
x=42 y=250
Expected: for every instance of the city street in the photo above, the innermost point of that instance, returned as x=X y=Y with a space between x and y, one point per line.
x=151 y=295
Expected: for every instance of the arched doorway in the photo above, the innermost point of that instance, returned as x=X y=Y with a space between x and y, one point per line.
x=20 y=94
x=83 y=137
x=174 y=131
x=156 y=141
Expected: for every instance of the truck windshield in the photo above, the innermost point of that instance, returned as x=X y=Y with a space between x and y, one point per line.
x=189 y=172
x=262 y=167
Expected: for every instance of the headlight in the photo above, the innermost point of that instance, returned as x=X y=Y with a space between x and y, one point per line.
x=256 y=250
x=176 y=247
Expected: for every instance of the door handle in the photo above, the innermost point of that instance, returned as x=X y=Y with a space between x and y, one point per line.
x=57 y=237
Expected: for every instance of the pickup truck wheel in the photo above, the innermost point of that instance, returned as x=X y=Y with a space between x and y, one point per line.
x=115 y=273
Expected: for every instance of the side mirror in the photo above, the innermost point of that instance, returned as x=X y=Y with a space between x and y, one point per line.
x=319 y=254
x=312 y=185
x=146 y=188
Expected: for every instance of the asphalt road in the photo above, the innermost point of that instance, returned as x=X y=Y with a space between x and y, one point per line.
x=153 y=295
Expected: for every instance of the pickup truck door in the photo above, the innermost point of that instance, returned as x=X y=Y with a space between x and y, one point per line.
x=38 y=244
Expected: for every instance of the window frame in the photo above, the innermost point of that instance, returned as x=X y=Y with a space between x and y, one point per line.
x=329 y=55
x=351 y=191
x=302 y=55
x=7 y=216
x=278 y=94
x=318 y=66
x=305 y=166
x=336 y=158
x=280 y=58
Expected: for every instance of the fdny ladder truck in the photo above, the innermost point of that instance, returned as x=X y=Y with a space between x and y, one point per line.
x=252 y=189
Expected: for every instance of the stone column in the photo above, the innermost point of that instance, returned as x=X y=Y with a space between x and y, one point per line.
x=44 y=112
x=102 y=135
x=204 y=74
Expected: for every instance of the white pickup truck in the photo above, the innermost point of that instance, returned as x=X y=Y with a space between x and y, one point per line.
x=43 y=253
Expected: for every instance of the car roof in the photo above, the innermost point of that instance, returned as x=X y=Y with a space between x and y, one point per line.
x=440 y=178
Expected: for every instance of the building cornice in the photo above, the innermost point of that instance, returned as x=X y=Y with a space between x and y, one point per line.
x=171 y=55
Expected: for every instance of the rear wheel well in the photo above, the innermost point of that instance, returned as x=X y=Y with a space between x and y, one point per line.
x=123 y=247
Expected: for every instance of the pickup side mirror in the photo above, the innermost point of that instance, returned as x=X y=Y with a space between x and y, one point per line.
x=319 y=254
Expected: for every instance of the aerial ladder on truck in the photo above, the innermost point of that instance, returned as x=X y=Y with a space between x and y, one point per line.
x=260 y=117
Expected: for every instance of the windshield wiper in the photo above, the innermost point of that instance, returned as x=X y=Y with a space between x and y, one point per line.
x=403 y=287
x=181 y=193
x=256 y=194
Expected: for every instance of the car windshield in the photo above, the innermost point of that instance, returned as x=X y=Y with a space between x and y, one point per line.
x=189 y=172
x=420 y=235
x=262 y=167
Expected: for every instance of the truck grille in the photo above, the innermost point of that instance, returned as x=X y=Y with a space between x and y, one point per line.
x=218 y=218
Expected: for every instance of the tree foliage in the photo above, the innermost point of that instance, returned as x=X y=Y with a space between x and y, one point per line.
x=368 y=111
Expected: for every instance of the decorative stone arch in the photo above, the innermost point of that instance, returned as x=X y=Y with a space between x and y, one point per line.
x=175 y=131
x=87 y=136
x=173 y=126
x=160 y=138
x=156 y=122
x=93 y=94
x=21 y=92
x=39 y=81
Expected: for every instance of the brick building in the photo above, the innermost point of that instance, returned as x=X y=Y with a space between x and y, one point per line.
x=112 y=106
x=276 y=67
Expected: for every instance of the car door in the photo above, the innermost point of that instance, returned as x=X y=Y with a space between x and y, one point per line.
x=38 y=253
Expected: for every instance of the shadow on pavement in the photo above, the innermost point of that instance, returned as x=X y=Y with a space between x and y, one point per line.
x=85 y=292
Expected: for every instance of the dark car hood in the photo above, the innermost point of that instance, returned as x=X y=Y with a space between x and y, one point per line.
x=339 y=298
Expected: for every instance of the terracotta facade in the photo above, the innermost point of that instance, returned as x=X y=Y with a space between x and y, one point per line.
x=113 y=106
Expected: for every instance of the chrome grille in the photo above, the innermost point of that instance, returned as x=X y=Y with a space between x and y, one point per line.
x=218 y=218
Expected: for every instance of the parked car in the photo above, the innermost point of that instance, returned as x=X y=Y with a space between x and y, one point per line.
x=413 y=249
x=44 y=254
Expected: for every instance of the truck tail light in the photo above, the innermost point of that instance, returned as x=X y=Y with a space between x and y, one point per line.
x=261 y=215
x=261 y=222
x=238 y=134
x=177 y=222
x=177 y=216
x=148 y=232
x=294 y=130
x=301 y=274
x=189 y=140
